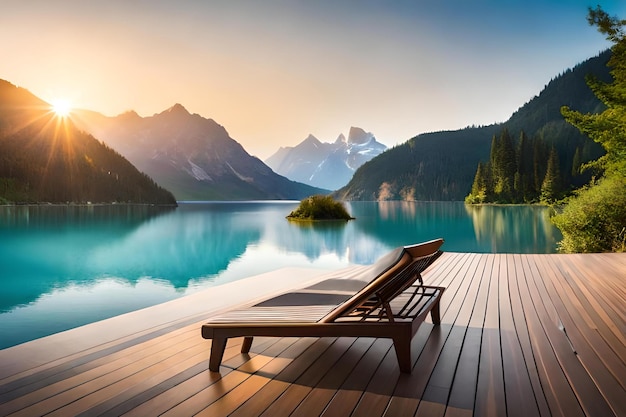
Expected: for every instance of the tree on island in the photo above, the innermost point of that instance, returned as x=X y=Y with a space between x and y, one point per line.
x=320 y=207
x=594 y=220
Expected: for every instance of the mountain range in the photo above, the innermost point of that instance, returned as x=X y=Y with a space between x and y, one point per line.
x=442 y=165
x=192 y=156
x=45 y=158
x=323 y=164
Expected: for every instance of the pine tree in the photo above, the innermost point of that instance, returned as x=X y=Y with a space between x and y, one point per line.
x=551 y=187
x=607 y=128
x=540 y=160
x=576 y=163
x=524 y=188
x=480 y=188
x=503 y=167
x=595 y=219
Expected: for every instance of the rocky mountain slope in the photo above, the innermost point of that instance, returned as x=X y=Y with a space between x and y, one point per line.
x=192 y=156
x=323 y=164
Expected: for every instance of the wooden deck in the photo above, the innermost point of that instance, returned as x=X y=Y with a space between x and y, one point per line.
x=521 y=335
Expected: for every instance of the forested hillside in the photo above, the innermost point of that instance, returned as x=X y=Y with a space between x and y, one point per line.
x=524 y=170
x=442 y=165
x=44 y=158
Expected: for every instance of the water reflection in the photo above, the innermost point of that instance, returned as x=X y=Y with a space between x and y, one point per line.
x=63 y=265
x=503 y=229
x=465 y=228
x=314 y=239
x=45 y=247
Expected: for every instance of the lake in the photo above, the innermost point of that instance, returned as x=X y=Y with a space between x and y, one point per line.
x=65 y=266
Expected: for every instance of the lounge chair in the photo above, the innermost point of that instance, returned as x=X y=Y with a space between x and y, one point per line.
x=387 y=299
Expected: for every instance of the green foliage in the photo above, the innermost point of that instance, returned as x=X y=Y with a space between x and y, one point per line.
x=480 y=187
x=320 y=207
x=551 y=186
x=595 y=219
x=524 y=173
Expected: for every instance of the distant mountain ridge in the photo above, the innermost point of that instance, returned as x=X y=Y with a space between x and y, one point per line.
x=192 y=156
x=45 y=158
x=441 y=165
x=323 y=164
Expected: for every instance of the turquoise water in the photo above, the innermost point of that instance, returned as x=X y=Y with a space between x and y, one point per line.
x=62 y=267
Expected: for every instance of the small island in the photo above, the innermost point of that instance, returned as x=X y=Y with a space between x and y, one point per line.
x=320 y=208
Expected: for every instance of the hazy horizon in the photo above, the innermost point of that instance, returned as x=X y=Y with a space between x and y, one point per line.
x=274 y=72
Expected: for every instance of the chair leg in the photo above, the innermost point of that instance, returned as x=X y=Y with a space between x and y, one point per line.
x=402 y=345
x=247 y=344
x=435 y=314
x=218 y=345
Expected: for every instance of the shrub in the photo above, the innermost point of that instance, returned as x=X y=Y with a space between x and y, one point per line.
x=595 y=219
x=320 y=207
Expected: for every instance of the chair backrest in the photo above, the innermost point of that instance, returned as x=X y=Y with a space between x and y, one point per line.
x=405 y=278
x=398 y=276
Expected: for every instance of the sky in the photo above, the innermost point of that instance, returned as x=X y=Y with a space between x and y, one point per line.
x=273 y=72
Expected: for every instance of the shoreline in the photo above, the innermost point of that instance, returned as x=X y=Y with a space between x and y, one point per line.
x=88 y=204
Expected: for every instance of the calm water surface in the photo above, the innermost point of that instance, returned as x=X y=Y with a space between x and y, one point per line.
x=62 y=267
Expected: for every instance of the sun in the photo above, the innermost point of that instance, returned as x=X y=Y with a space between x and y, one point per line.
x=61 y=107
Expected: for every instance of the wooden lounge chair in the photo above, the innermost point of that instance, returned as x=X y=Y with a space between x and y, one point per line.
x=387 y=299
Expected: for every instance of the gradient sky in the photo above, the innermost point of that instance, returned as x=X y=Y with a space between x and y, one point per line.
x=273 y=72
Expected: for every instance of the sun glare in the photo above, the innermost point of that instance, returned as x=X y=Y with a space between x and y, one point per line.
x=61 y=107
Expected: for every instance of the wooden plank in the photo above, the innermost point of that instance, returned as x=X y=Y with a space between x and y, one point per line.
x=584 y=387
x=409 y=388
x=199 y=401
x=438 y=274
x=490 y=395
x=599 y=304
x=439 y=385
x=227 y=403
x=296 y=392
x=127 y=386
x=600 y=284
x=435 y=367
x=128 y=398
x=51 y=396
x=129 y=380
x=463 y=390
x=374 y=400
x=520 y=398
x=350 y=392
x=73 y=360
x=523 y=336
x=319 y=397
x=303 y=352
x=607 y=371
x=49 y=375
x=172 y=396
x=558 y=392
x=604 y=289
x=160 y=397
x=437 y=392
